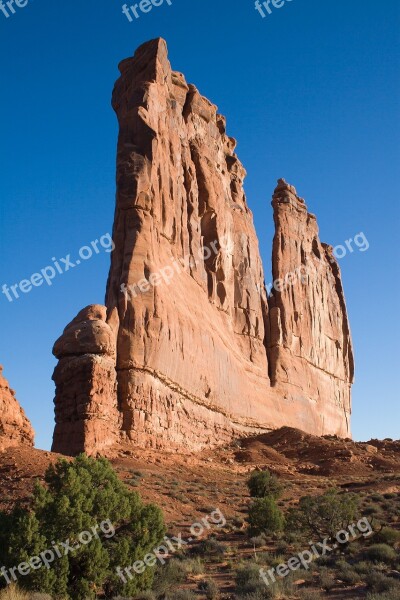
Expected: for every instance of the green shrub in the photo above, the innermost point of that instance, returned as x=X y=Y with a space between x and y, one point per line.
x=209 y=589
x=237 y=522
x=324 y=515
x=377 y=497
x=326 y=579
x=372 y=510
x=347 y=573
x=209 y=547
x=394 y=595
x=169 y=575
x=265 y=516
x=378 y=582
x=262 y=484
x=281 y=547
x=381 y=553
x=387 y=536
x=193 y=566
x=364 y=567
x=248 y=581
x=257 y=541
x=80 y=495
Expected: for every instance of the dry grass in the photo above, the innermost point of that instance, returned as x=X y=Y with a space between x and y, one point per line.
x=13 y=593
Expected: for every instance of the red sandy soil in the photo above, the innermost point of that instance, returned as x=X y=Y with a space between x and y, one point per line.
x=188 y=483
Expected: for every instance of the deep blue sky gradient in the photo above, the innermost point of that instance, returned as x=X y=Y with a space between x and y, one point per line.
x=311 y=93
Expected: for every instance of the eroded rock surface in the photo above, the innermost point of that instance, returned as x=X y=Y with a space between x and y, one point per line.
x=201 y=354
x=15 y=428
x=87 y=419
x=311 y=346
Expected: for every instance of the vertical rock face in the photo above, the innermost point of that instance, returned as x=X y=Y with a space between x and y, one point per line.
x=188 y=347
x=15 y=428
x=311 y=345
x=201 y=354
x=87 y=419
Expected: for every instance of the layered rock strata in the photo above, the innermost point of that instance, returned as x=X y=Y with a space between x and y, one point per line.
x=201 y=354
x=15 y=428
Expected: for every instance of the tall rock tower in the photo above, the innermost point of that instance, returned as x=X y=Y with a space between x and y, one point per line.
x=199 y=353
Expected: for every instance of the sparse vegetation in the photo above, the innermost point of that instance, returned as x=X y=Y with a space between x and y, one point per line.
x=225 y=566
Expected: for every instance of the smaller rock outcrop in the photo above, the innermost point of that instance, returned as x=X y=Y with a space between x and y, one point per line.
x=87 y=417
x=15 y=428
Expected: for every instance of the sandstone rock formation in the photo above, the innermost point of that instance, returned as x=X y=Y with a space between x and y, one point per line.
x=15 y=428
x=310 y=344
x=201 y=353
x=87 y=418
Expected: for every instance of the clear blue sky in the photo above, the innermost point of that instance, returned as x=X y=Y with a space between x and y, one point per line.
x=311 y=92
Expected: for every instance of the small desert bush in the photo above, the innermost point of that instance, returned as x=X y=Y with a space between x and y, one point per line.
x=371 y=510
x=193 y=566
x=381 y=553
x=262 y=484
x=282 y=547
x=209 y=589
x=387 y=536
x=257 y=541
x=394 y=595
x=248 y=579
x=265 y=516
x=377 y=497
x=364 y=567
x=209 y=547
x=326 y=579
x=378 y=582
x=347 y=573
x=168 y=576
x=249 y=585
